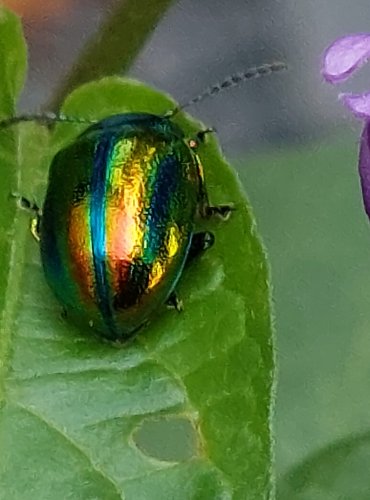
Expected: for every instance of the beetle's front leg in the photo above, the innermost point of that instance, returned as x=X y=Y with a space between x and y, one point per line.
x=207 y=210
x=32 y=207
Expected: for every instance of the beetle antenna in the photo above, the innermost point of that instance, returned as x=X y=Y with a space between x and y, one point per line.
x=44 y=119
x=232 y=81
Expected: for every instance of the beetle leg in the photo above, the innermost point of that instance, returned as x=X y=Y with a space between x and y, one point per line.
x=201 y=135
x=200 y=138
x=63 y=313
x=199 y=244
x=174 y=302
x=32 y=207
x=35 y=227
x=222 y=211
x=206 y=209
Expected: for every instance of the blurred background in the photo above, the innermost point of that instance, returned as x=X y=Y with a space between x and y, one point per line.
x=295 y=149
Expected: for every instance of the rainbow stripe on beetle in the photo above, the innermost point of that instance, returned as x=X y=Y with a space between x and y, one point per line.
x=116 y=233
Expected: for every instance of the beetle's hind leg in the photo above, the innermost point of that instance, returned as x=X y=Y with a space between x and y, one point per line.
x=34 y=209
x=173 y=302
x=200 y=243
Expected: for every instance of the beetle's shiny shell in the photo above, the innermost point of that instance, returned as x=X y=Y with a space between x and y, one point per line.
x=118 y=220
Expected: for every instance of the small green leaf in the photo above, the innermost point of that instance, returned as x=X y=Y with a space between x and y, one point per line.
x=339 y=471
x=75 y=411
x=113 y=49
x=13 y=67
x=13 y=57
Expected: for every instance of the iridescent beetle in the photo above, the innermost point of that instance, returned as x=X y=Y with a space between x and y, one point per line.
x=118 y=222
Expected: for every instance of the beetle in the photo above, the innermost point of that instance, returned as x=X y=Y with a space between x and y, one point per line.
x=117 y=226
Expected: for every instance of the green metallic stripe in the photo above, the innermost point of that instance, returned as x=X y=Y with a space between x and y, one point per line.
x=100 y=174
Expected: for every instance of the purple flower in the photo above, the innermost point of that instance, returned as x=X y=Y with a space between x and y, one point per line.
x=341 y=59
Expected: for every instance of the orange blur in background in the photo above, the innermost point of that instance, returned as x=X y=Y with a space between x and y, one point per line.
x=37 y=8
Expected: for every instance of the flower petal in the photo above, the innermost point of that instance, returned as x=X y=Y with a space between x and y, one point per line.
x=364 y=167
x=344 y=56
x=359 y=104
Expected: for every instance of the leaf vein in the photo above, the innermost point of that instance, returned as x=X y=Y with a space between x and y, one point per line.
x=75 y=445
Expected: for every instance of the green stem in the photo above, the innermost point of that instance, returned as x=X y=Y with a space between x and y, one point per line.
x=119 y=40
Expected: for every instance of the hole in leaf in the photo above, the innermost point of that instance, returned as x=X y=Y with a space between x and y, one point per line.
x=171 y=439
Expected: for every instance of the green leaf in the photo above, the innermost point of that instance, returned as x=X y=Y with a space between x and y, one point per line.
x=183 y=411
x=339 y=471
x=13 y=59
x=309 y=207
x=13 y=66
x=113 y=49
